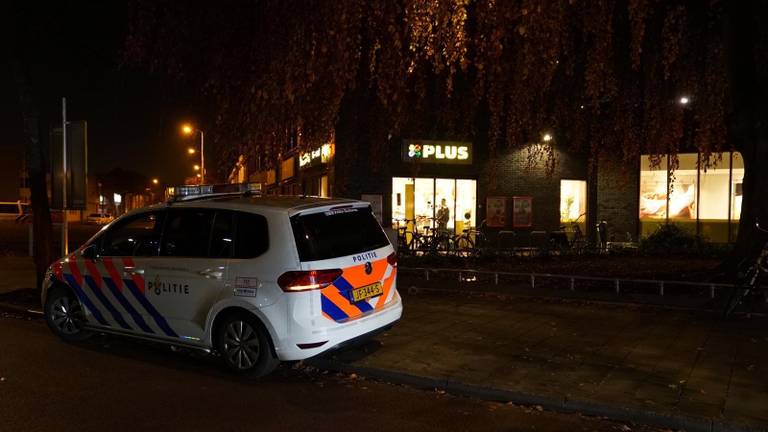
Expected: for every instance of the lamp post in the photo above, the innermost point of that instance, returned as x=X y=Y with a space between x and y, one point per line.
x=188 y=129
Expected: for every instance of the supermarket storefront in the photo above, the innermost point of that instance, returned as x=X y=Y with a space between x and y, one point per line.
x=446 y=184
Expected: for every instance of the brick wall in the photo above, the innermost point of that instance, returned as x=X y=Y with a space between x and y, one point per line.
x=510 y=174
x=618 y=192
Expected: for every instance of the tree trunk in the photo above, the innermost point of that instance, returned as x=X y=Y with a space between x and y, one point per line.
x=42 y=229
x=747 y=129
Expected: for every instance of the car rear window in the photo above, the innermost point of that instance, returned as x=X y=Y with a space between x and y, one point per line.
x=337 y=233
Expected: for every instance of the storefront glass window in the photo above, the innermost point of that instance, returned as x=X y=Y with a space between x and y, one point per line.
x=402 y=199
x=445 y=189
x=573 y=202
x=682 y=192
x=695 y=199
x=713 y=191
x=737 y=180
x=653 y=189
x=736 y=188
x=466 y=199
x=424 y=202
x=653 y=194
x=420 y=199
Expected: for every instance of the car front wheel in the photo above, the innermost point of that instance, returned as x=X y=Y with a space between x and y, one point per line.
x=65 y=316
x=244 y=346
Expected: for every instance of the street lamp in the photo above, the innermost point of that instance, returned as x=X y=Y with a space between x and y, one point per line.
x=684 y=100
x=547 y=137
x=197 y=167
x=155 y=181
x=188 y=129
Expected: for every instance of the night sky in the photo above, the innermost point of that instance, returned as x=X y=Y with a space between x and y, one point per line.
x=74 y=49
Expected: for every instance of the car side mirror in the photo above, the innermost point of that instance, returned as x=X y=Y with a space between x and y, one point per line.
x=90 y=252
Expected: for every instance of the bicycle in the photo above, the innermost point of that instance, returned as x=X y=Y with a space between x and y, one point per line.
x=749 y=277
x=465 y=246
x=577 y=242
x=435 y=240
x=404 y=246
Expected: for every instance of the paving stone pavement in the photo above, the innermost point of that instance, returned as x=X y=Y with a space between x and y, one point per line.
x=675 y=363
x=670 y=362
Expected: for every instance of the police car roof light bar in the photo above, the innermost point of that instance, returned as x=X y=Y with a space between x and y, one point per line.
x=190 y=192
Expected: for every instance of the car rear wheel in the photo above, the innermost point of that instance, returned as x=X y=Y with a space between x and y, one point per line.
x=244 y=346
x=65 y=316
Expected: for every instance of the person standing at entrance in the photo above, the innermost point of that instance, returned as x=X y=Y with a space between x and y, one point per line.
x=443 y=216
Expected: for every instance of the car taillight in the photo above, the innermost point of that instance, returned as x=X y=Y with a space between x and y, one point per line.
x=392 y=259
x=295 y=281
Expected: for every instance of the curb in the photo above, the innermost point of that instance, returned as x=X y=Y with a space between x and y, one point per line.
x=21 y=310
x=565 y=405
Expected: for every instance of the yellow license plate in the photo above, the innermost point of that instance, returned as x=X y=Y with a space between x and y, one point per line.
x=366 y=292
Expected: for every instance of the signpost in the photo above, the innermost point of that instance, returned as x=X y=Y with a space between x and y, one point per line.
x=69 y=169
x=65 y=217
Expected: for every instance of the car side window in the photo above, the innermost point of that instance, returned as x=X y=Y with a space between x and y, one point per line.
x=222 y=235
x=136 y=236
x=252 y=237
x=187 y=232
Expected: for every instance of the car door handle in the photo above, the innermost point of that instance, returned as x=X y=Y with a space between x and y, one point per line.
x=132 y=271
x=215 y=274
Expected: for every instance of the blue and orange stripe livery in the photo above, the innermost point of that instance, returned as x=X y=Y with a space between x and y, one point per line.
x=336 y=298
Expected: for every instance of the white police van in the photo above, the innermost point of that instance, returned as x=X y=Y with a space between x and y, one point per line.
x=256 y=279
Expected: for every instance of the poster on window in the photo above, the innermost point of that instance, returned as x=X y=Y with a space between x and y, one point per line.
x=496 y=208
x=522 y=212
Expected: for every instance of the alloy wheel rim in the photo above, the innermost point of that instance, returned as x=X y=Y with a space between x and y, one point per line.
x=67 y=315
x=241 y=345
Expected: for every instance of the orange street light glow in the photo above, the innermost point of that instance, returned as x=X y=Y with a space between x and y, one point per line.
x=197 y=167
x=155 y=181
x=187 y=129
x=191 y=150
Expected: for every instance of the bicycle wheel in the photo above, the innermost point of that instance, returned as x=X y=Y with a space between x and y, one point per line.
x=442 y=245
x=464 y=247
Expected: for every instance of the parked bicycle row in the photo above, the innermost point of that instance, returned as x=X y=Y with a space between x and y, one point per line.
x=426 y=236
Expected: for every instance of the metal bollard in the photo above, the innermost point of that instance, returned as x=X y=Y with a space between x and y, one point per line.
x=573 y=284
x=711 y=291
x=426 y=274
x=533 y=281
x=661 y=288
x=617 y=286
x=495 y=278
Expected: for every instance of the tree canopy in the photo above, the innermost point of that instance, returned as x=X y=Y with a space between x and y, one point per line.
x=604 y=75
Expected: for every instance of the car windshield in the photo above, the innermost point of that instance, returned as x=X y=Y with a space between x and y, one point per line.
x=337 y=233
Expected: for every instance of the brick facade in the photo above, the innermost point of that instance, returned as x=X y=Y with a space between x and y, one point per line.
x=510 y=174
x=618 y=191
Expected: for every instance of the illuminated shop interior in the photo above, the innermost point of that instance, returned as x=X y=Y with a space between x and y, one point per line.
x=705 y=201
x=573 y=205
x=420 y=198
